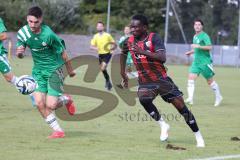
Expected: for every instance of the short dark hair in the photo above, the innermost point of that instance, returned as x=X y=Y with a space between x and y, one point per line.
x=198 y=20
x=100 y=22
x=143 y=19
x=35 y=11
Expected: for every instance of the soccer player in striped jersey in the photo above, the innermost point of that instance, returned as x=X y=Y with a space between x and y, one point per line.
x=5 y=67
x=48 y=54
x=148 y=53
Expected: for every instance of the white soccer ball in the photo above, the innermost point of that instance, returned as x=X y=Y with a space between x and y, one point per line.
x=26 y=84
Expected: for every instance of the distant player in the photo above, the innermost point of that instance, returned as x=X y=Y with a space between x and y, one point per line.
x=102 y=43
x=202 y=63
x=129 y=62
x=148 y=53
x=5 y=67
x=48 y=53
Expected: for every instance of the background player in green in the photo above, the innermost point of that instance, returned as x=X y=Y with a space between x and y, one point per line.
x=5 y=67
x=202 y=63
x=48 y=53
x=129 y=62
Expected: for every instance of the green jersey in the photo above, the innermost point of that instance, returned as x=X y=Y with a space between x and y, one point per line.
x=2 y=29
x=46 y=47
x=202 y=56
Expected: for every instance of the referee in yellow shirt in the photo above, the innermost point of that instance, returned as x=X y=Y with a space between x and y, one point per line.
x=103 y=43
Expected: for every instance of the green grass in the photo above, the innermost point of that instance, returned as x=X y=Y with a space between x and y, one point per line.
x=23 y=132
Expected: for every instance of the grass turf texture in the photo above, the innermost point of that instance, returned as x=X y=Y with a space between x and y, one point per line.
x=116 y=135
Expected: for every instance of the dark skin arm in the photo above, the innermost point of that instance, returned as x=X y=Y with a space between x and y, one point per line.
x=159 y=55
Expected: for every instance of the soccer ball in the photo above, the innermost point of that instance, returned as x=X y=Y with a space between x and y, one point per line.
x=26 y=84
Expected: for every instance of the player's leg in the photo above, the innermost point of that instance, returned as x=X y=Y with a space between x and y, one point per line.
x=5 y=69
x=104 y=60
x=208 y=73
x=171 y=94
x=51 y=105
x=189 y=118
x=55 y=89
x=192 y=76
x=146 y=95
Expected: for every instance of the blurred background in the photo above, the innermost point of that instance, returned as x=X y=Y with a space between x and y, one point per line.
x=172 y=19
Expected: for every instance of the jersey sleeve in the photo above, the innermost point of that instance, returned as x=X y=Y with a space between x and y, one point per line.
x=207 y=40
x=2 y=26
x=93 y=41
x=57 y=44
x=157 y=43
x=21 y=39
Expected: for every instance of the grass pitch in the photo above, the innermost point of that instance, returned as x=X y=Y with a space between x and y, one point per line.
x=126 y=132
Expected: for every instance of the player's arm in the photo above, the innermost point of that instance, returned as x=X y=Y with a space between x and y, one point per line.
x=123 y=58
x=68 y=64
x=112 y=43
x=3 y=36
x=21 y=46
x=188 y=53
x=93 y=45
x=159 y=53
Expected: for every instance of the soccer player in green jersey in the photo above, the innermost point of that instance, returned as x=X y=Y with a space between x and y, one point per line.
x=48 y=53
x=202 y=63
x=129 y=62
x=5 y=67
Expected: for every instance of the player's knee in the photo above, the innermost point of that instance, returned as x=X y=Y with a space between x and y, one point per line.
x=103 y=66
x=145 y=100
x=40 y=104
x=52 y=105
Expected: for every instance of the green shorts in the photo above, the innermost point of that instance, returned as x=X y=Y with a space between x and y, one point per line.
x=4 y=64
x=49 y=83
x=206 y=70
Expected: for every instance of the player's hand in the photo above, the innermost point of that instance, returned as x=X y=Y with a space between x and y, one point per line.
x=193 y=46
x=72 y=74
x=188 y=53
x=136 y=49
x=124 y=82
x=20 y=51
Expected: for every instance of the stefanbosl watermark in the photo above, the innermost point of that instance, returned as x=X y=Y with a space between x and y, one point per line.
x=142 y=116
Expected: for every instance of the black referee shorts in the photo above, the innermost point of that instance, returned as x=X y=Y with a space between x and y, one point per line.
x=104 y=58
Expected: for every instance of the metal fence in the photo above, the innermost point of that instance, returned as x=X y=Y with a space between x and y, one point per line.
x=80 y=45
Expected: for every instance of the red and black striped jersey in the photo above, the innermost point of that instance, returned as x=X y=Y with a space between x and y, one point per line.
x=149 y=70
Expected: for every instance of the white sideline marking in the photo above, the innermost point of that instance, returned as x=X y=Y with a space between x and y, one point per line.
x=219 y=158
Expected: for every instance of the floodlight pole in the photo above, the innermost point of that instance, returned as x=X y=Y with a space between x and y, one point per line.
x=166 y=23
x=238 y=33
x=108 y=15
x=178 y=21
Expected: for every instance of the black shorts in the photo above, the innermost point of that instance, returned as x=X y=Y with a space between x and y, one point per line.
x=165 y=88
x=104 y=58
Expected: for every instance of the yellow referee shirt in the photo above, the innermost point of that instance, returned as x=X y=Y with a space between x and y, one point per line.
x=101 y=41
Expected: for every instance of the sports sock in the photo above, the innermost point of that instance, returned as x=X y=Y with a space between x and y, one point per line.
x=190 y=89
x=105 y=74
x=150 y=108
x=189 y=118
x=215 y=88
x=14 y=80
x=52 y=121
